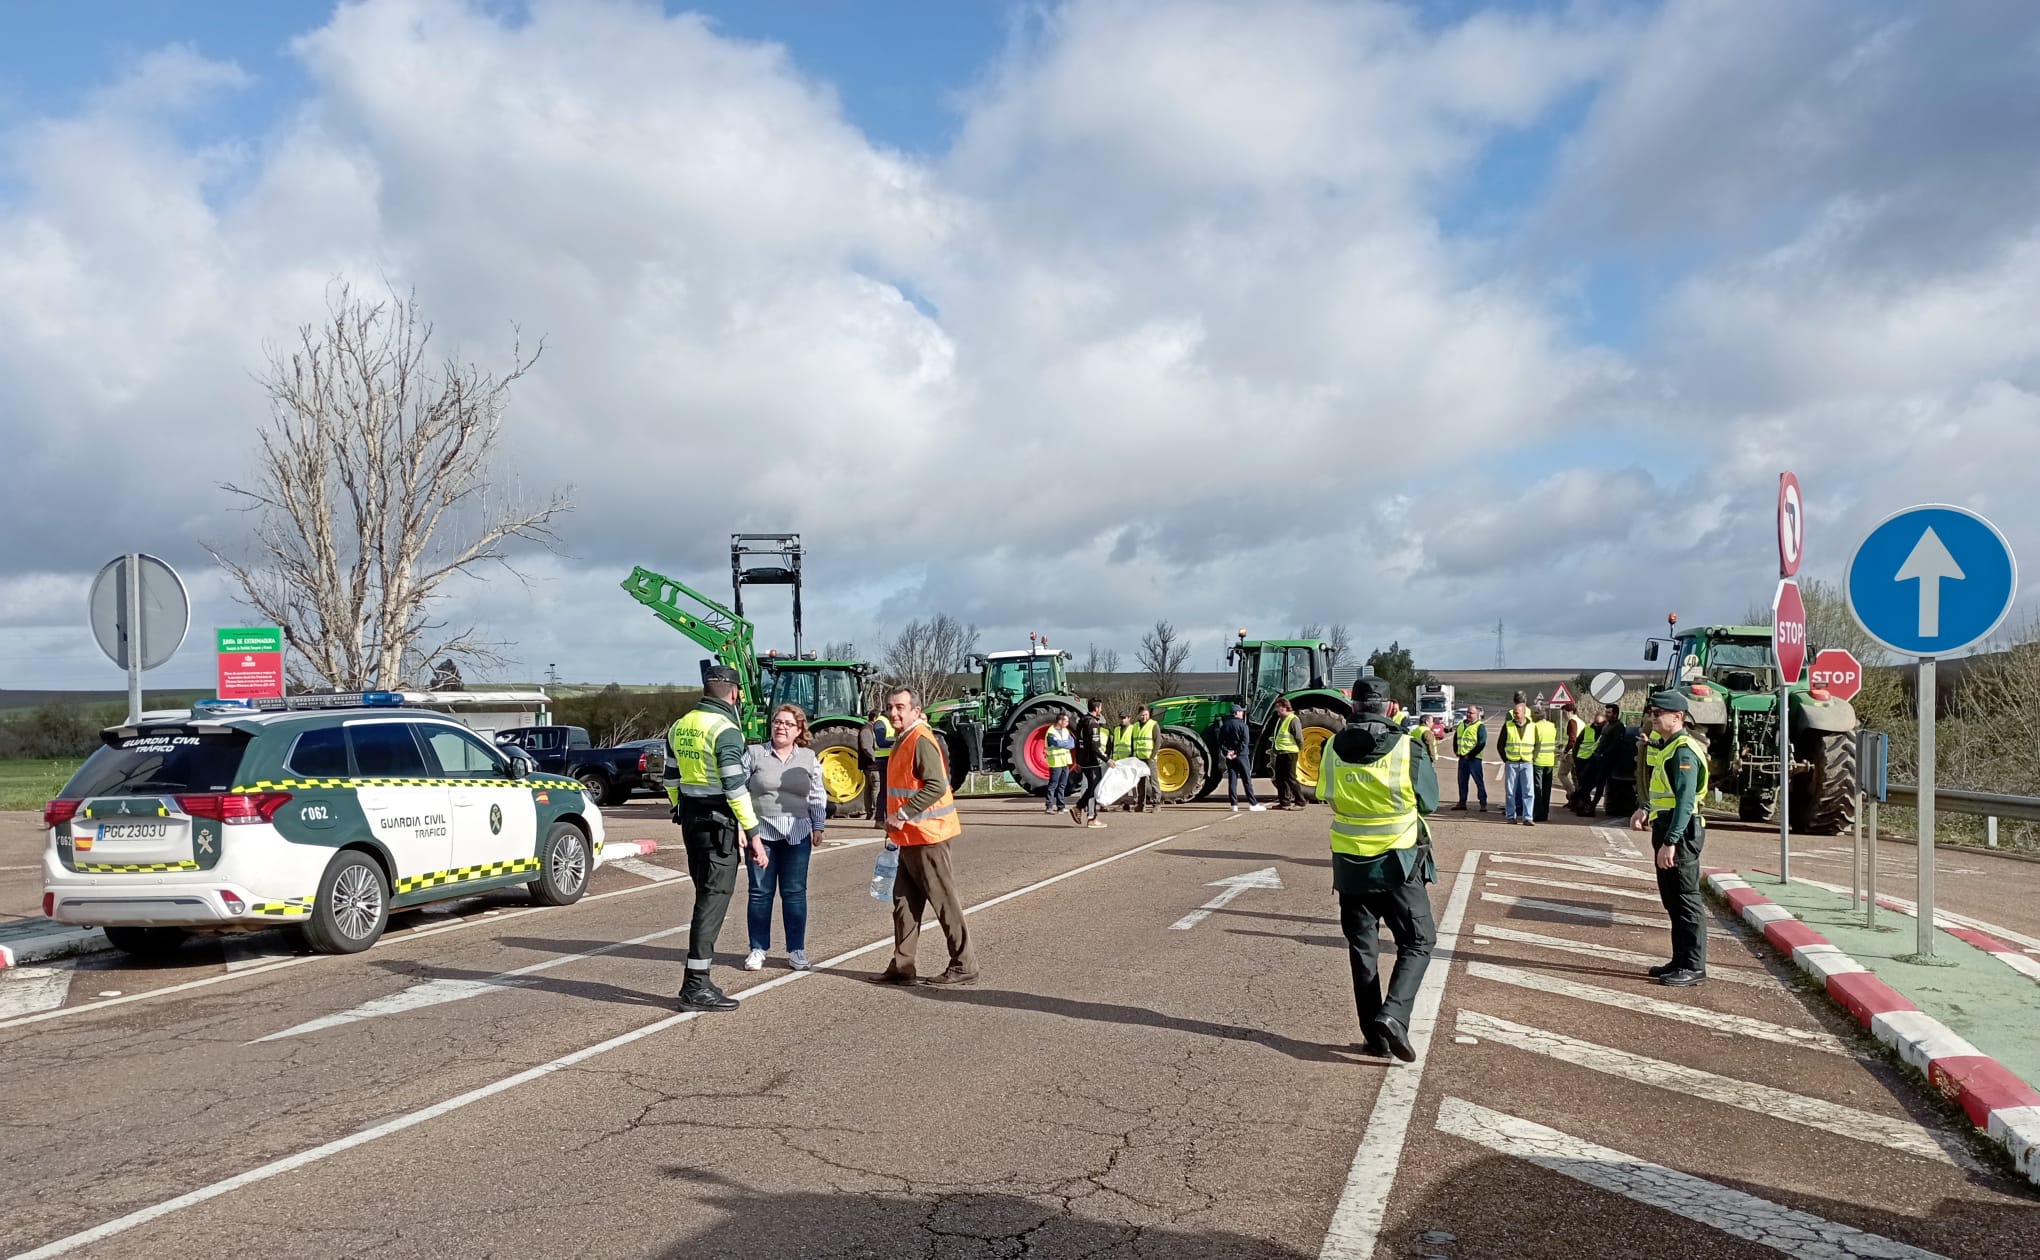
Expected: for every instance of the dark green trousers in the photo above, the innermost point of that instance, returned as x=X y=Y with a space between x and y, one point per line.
x=1406 y=908
x=713 y=842
x=1679 y=890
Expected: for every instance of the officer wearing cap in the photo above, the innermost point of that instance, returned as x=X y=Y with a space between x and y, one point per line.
x=1380 y=783
x=712 y=803
x=1675 y=762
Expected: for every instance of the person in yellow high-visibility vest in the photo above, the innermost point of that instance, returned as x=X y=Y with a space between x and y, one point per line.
x=1518 y=739
x=1380 y=784
x=1142 y=745
x=1677 y=766
x=1543 y=762
x=1284 y=747
x=712 y=803
x=1122 y=747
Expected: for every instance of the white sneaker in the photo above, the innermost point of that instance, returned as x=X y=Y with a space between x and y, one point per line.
x=799 y=960
x=1256 y=809
x=755 y=960
x=1235 y=809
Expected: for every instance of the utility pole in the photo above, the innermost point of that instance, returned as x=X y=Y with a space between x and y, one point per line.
x=1501 y=652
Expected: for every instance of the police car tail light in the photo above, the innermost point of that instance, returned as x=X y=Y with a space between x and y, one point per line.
x=59 y=812
x=49 y=905
x=233 y=903
x=234 y=807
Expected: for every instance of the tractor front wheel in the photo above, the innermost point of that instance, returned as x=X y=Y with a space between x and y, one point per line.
x=1181 y=766
x=1319 y=725
x=842 y=777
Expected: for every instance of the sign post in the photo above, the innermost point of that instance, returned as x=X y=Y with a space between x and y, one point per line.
x=140 y=612
x=1788 y=645
x=1929 y=582
x=251 y=663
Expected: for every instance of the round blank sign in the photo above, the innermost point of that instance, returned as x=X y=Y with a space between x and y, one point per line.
x=1607 y=687
x=165 y=612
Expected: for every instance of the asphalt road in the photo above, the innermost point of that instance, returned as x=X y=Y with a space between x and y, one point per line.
x=1126 y=1079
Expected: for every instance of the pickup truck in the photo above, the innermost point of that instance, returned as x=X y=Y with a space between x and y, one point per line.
x=610 y=775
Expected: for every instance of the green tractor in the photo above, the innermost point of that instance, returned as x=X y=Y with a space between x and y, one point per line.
x=1002 y=723
x=830 y=692
x=1730 y=679
x=1187 y=764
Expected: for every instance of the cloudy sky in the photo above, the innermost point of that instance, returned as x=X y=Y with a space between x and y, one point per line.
x=1056 y=317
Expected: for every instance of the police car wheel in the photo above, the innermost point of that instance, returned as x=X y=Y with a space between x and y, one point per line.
x=146 y=942
x=352 y=908
x=562 y=866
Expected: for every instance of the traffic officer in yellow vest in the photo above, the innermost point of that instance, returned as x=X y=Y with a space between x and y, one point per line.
x=712 y=804
x=1285 y=746
x=1543 y=761
x=1380 y=784
x=1586 y=791
x=1519 y=744
x=1146 y=739
x=874 y=747
x=1677 y=764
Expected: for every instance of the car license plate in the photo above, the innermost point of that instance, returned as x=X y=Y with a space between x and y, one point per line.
x=134 y=831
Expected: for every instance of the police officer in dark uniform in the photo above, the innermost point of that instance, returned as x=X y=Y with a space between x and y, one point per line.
x=711 y=796
x=1675 y=782
x=1380 y=783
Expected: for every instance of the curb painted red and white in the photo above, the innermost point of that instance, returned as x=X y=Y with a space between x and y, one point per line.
x=2005 y=1107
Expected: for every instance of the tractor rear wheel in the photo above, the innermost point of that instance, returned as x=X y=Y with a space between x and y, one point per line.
x=1319 y=725
x=842 y=777
x=1027 y=746
x=1181 y=766
x=1824 y=798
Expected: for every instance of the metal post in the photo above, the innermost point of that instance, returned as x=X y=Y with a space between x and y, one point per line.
x=1990 y=831
x=1926 y=808
x=131 y=592
x=1870 y=871
x=1784 y=784
x=1856 y=858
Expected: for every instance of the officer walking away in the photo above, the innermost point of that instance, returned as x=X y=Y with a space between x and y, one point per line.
x=1286 y=745
x=1146 y=738
x=1469 y=741
x=1380 y=784
x=712 y=804
x=1678 y=780
x=1615 y=766
x=1091 y=753
x=1236 y=749
x=1519 y=745
x=1544 y=761
x=874 y=749
x=1587 y=771
x=920 y=817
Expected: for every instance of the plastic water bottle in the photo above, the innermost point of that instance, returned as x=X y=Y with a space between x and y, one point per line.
x=882 y=875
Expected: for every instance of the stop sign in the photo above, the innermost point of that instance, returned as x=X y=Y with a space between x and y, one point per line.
x=1788 y=631
x=1839 y=672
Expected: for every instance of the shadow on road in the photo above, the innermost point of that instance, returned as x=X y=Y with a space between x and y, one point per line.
x=758 y=1225
x=1132 y=1016
x=593 y=990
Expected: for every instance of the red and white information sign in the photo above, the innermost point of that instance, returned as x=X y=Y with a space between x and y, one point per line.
x=1561 y=697
x=251 y=663
x=1788 y=631
x=1791 y=526
x=1839 y=672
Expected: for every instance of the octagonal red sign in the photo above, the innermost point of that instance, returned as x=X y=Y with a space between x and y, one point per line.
x=1788 y=631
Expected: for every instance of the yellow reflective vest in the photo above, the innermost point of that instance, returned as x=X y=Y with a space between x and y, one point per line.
x=711 y=762
x=1547 y=742
x=1286 y=732
x=1662 y=797
x=1144 y=734
x=1465 y=738
x=1374 y=806
x=1518 y=742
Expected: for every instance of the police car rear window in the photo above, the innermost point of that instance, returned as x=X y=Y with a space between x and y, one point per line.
x=319 y=754
x=386 y=750
x=168 y=760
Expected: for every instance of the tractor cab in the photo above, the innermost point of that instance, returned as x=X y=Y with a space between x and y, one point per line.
x=1737 y=659
x=822 y=689
x=1271 y=668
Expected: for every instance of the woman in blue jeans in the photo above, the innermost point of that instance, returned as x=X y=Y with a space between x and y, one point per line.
x=1061 y=742
x=792 y=808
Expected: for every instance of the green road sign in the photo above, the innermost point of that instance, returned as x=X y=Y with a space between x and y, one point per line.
x=252 y=639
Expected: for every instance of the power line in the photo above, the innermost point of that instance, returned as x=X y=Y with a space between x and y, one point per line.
x=1501 y=650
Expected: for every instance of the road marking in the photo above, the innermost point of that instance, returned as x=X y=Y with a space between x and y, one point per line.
x=24 y=991
x=1942 y=918
x=1848 y=1122
x=1715 y=1021
x=1733 y=975
x=304 y=1158
x=439 y=992
x=648 y=870
x=1356 y=1222
x=1627 y=894
x=1590 y=914
x=242 y=952
x=1577 y=865
x=1733 y=1212
x=1616 y=844
x=1234 y=885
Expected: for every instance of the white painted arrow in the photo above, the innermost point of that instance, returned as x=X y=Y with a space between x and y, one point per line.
x=1234 y=885
x=1930 y=565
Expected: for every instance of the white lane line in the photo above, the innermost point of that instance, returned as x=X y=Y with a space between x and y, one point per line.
x=1849 y=1122
x=1615 y=843
x=1356 y=1222
x=1713 y=1021
x=438 y=992
x=1627 y=894
x=1754 y=979
x=1589 y=914
x=291 y=1163
x=1578 y=865
x=25 y=990
x=647 y=870
x=1733 y=1212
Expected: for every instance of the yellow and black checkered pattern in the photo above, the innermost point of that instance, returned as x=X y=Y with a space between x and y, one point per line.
x=487 y=870
x=134 y=868
x=295 y=907
x=287 y=785
x=162 y=811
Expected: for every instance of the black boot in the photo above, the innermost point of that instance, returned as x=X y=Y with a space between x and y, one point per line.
x=699 y=993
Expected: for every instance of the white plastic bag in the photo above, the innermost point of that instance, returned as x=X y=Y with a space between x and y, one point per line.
x=1120 y=779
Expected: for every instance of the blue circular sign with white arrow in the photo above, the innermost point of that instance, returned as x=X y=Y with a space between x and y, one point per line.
x=1932 y=580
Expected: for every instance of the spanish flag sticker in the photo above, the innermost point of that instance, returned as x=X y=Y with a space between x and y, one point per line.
x=545 y=798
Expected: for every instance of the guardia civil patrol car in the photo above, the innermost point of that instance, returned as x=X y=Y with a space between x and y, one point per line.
x=326 y=812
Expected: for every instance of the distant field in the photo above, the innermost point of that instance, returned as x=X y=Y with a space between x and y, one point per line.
x=31 y=784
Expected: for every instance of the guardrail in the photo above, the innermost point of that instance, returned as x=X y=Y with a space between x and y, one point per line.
x=1990 y=806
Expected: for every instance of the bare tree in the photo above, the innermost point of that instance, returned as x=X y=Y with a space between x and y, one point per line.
x=1338 y=645
x=1099 y=660
x=926 y=655
x=374 y=485
x=839 y=650
x=1162 y=655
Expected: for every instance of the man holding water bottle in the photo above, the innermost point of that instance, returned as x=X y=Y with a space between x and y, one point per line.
x=920 y=818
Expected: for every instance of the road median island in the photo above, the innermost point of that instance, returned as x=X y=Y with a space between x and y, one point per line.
x=1968 y=1023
